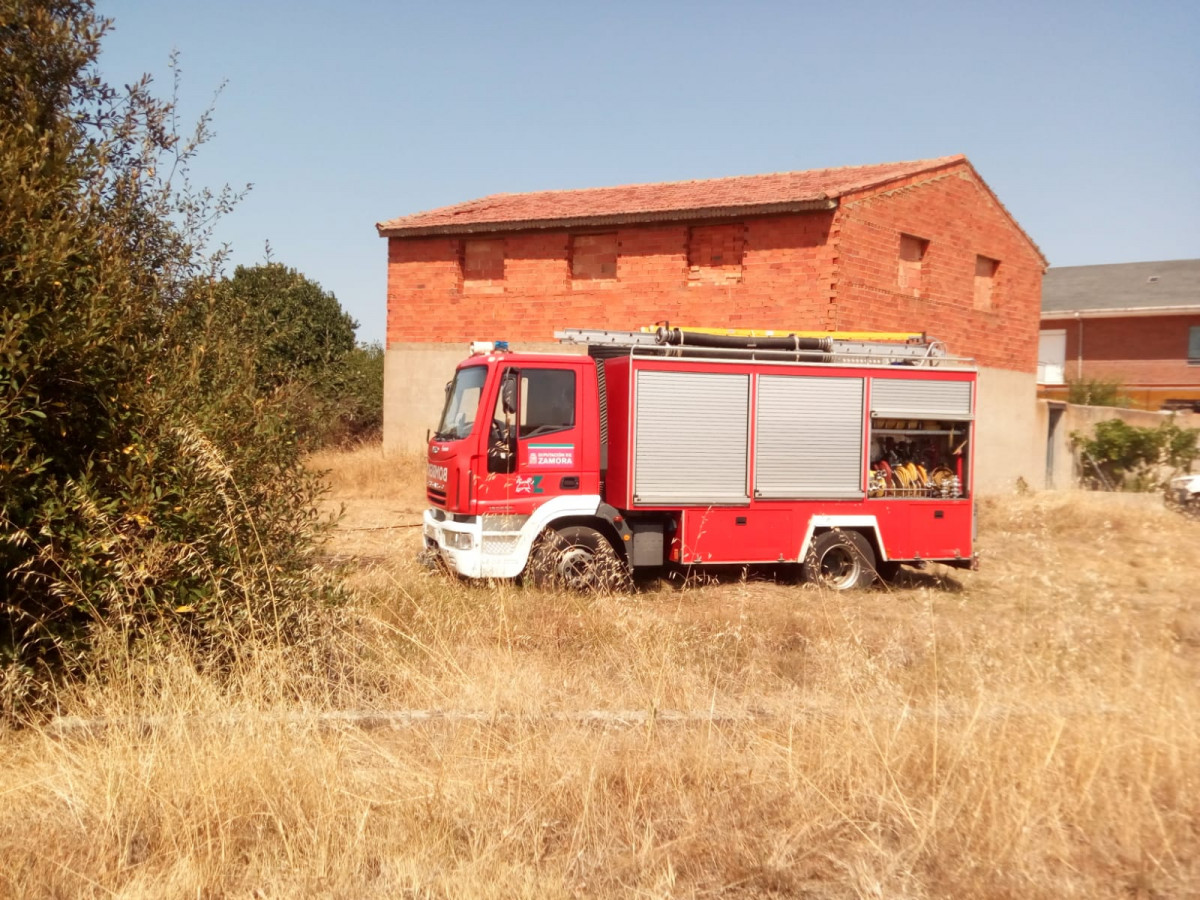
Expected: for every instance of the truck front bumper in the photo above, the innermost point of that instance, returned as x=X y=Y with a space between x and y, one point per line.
x=464 y=544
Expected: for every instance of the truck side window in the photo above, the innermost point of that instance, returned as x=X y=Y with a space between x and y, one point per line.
x=547 y=401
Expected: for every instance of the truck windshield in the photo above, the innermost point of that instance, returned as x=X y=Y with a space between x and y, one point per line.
x=462 y=403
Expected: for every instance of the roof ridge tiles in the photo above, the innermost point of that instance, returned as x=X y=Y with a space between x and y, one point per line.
x=932 y=162
x=806 y=188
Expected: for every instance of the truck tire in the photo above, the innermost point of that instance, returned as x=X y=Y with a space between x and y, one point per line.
x=840 y=560
x=576 y=558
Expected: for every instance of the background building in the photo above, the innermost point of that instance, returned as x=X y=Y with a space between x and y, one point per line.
x=1133 y=323
x=911 y=246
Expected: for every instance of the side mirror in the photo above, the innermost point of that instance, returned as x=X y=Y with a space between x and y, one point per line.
x=508 y=393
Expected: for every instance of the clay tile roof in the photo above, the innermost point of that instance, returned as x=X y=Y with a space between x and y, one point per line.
x=740 y=195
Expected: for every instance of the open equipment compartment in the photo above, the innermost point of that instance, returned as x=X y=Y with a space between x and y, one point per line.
x=920 y=439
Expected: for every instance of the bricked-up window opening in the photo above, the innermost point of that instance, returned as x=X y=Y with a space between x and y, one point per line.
x=715 y=253
x=912 y=258
x=482 y=262
x=593 y=256
x=985 y=282
x=1194 y=345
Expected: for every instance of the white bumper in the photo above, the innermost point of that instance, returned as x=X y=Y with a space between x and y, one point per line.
x=497 y=546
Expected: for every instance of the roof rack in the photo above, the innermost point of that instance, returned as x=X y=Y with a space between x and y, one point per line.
x=852 y=348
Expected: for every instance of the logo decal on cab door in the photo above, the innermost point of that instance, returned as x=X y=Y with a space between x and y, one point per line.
x=531 y=484
x=558 y=456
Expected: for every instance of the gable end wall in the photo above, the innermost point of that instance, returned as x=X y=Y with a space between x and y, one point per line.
x=961 y=220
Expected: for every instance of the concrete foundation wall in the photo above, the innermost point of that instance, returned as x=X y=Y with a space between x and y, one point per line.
x=1009 y=444
x=414 y=388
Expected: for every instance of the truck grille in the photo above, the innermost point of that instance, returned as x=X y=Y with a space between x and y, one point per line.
x=500 y=544
x=437 y=498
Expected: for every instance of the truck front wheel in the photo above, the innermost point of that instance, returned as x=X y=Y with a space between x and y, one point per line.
x=841 y=560
x=577 y=558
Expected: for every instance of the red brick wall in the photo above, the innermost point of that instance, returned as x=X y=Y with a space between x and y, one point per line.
x=716 y=253
x=786 y=282
x=961 y=221
x=811 y=271
x=594 y=255
x=1142 y=350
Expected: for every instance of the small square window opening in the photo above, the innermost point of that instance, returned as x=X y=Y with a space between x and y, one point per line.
x=482 y=263
x=593 y=256
x=985 y=282
x=910 y=272
x=715 y=253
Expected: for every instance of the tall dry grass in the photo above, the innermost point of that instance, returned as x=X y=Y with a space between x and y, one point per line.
x=366 y=473
x=1031 y=730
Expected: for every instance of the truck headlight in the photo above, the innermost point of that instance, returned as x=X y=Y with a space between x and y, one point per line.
x=459 y=540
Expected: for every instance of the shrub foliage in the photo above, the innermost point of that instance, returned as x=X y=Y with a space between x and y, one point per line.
x=302 y=349
x=1124 y=456
x=1096 y=392
x=148 y=478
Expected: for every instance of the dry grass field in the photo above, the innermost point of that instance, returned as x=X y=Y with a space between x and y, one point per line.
x=1028 y=731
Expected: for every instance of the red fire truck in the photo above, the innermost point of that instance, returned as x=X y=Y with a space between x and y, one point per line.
x=845 y=455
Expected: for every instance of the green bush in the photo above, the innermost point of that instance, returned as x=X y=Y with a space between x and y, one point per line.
x=299 y=348
x=292 y=336
x=1120 y=456
x=1096 y=392
x=360 y=395
x=298 y=330
x=149 y=482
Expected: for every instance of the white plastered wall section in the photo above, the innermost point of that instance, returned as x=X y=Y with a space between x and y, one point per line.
x=414 y=385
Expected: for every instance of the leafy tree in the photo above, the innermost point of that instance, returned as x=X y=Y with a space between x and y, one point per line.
x=143 y=488
x=298 y=330
x=300 y=349
x=360 y=395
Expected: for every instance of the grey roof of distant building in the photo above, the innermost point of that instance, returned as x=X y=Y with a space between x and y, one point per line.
x=1121 y=286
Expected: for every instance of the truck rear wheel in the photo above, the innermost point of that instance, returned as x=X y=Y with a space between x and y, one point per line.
x=840 y=560
x=577 y=558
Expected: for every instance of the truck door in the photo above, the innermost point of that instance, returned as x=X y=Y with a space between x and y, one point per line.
x=549 y=452
x=543 y=438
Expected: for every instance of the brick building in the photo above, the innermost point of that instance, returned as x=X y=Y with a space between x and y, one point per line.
x=1133 y=323
x=917 y=246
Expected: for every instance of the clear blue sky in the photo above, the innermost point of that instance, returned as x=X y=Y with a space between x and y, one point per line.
x=1084 y=117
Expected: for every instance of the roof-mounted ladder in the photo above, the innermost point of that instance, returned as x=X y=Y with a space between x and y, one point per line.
x=848 y=348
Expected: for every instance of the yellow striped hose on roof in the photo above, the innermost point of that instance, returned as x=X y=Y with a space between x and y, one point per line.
x=899 y=337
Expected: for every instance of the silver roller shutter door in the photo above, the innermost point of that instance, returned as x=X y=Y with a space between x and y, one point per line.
x=691 y=438
x=809 y=437
x=909 y=397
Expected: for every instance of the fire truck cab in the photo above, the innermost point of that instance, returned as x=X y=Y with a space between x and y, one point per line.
x=846 y=457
